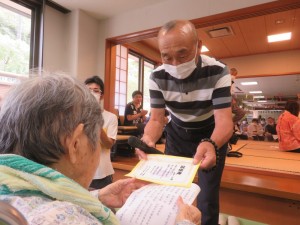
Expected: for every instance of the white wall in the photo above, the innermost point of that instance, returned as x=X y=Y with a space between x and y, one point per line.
x=72 y=31
x=71 y=43
x=277 y=63
x=55 y=42
x=87 y=46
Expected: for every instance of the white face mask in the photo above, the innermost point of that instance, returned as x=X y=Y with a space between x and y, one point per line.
x=183 y=70
x=97 y=96
x=244 y=122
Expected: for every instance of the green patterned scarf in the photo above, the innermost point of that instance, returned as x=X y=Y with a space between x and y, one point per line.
x=20 y=176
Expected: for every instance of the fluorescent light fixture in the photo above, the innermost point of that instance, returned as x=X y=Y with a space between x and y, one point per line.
x=249 y=83
x=261 y=101
x=204 y=49
x=259 y=96
x=255 y=92
x=279 y=37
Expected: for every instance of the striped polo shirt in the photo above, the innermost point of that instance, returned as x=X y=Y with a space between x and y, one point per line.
x=191 y=101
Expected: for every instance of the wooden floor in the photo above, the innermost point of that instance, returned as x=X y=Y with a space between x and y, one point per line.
x=263 y=185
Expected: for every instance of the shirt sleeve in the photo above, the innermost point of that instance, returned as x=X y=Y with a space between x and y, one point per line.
x=296 y=129
x=221 y=96
x=112 y=129
x=156 y=97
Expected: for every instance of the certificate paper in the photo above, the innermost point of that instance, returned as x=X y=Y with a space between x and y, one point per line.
x=155 y=204
x=166 y=169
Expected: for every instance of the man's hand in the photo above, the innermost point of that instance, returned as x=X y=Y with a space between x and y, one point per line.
x=115 y=194
x=187 y=212
x=144 y=112
x=147 y=140
x=205 y=153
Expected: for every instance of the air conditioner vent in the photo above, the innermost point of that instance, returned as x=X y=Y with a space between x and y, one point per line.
x=220 y=32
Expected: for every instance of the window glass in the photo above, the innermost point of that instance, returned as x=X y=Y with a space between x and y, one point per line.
x=133 y=75
x=15 y=34
x=148 y=68
x=15 y=39
x=122 y=88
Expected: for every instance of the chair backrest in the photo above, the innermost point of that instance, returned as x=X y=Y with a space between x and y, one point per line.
x=120 y=118
x=9 y=215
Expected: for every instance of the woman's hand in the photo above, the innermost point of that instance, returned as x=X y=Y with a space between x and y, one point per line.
x=187 y=212
x=115 y=194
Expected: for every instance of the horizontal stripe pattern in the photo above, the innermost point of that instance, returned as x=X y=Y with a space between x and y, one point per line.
x=191 y=100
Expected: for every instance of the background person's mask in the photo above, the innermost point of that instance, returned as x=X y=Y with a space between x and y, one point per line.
x=183 y=70
x=97 y=96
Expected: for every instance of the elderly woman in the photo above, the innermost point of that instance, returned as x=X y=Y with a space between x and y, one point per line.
x=50 y=147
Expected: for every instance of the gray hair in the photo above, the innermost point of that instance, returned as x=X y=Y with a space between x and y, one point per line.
x=177 y=23
x=41 y=111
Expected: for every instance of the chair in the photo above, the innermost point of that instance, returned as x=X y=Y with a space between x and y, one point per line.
x=121 y=146
x=9 y=215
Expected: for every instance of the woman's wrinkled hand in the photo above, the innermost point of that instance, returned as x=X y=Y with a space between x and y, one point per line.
x=187 y=212
x=115 y=194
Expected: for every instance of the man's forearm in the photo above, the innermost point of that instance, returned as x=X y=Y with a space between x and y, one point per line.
x=106 y=141
x=153 y=130
x=222 y=134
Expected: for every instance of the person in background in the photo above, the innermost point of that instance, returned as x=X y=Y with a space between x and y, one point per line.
x=238 y=113
x=288 y=128
x=244 y=130
x=255 y=131
x=50 y=150
x=196 y=90
x=134 y=114
x=108 y=135
x=270 y=129
x=263 y=123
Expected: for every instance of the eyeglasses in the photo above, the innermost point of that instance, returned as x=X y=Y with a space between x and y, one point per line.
x=97 y=91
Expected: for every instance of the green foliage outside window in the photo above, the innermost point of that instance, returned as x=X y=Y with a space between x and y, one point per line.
x=15 y=32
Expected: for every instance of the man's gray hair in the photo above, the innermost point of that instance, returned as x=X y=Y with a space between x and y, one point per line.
x=175 y=23
x=41 y=111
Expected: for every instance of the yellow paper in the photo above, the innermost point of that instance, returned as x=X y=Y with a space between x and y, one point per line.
x=166 y=170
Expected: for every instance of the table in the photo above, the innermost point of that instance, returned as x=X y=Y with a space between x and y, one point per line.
x=127 y=130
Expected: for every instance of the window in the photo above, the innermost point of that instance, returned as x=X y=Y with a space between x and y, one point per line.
x=139 y=70
x=132 y=73
x=20 y=45
x=15 y=41
x=148 y=68
x=121 y=78
x=15 y=33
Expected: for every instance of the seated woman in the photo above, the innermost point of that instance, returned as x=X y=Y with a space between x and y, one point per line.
x=50 y=148
x=288 y=128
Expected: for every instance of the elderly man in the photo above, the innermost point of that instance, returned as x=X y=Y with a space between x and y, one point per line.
x=196 y=91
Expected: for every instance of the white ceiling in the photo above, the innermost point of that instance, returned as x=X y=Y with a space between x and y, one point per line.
x=102 y=9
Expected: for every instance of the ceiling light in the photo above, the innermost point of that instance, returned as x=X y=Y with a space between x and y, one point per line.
x=204 y=49
x=261 y=101
x=255 y=92
x=249 y=83
x=279 y=37
x=259 y=96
